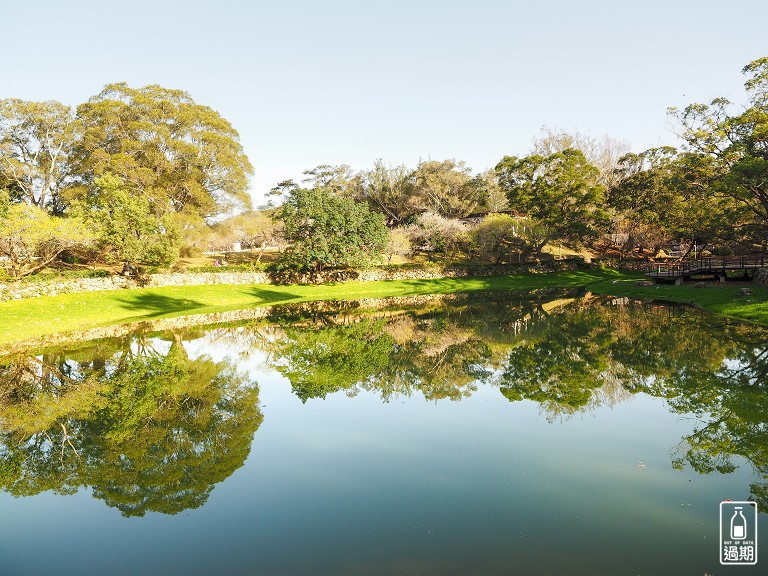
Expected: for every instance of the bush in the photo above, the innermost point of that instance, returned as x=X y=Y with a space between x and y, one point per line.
x=327 y=231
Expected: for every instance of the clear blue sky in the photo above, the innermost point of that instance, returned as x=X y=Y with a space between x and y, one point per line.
x=338 y=81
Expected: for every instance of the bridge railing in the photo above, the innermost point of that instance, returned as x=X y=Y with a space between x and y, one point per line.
x=703 y=265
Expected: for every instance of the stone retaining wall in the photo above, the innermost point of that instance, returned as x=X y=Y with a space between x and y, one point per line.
x=56 y=287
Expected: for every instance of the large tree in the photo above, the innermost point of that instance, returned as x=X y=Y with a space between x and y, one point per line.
x=500 y=237
x=335 y=179
x=735 y=146
x=183 y=156
x=560 y=191
x=36 y=140
x=390 y=190
x=444 y=188
x=666 y=196
x=603 y=153
x=328 y=231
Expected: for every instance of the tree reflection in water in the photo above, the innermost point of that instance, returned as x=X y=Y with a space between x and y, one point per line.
x=153 y=430
x=148 y=431
x=569 y=355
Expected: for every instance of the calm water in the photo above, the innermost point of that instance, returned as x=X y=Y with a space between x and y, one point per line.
x=532 y=434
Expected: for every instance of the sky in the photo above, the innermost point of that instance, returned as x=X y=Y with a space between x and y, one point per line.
x=346 y=82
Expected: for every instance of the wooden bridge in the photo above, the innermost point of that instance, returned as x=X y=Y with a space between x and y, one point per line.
x=718 y=267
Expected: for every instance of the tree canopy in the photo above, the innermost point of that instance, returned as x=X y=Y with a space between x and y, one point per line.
x=328 y=231
x=561 y=191
x=124 y=223
x=181 y=155
x=36 y=141
x=734 y=147
x=30 y=238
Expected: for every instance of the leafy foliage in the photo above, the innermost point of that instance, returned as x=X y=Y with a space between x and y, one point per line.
x=126 y=227
x=182 y=156
x=560 y=191
x=36 y=142
x=30 y=239
x=444 y=188
x=498 y=237
x=329 y=231
x=735 y=150
x=391 y=191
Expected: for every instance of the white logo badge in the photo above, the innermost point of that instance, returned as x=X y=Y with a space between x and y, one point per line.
x=738 y=533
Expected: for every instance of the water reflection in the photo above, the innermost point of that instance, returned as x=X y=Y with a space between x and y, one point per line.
x=151 y=429
x=147 y=429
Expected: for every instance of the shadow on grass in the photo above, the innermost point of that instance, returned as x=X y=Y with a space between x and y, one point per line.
x=520 y=282
x=270 y=296
x=153 y=305
x=416 y=287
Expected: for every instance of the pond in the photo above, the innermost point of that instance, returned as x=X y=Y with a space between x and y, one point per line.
x=538 y=433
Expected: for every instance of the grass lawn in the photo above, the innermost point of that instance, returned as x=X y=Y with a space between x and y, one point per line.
x=32 y=318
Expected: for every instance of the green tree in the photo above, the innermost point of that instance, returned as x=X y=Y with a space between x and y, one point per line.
x=603 y=153
x=390 y=190
x=672 y=194
x=329 y=231
x=492 y=198
x=560 y=191
x=126 y=227
x=31 y=239
x=444 y=188
x=180 y=155
x=36 y=140
x=334 y=179
x=735 y=148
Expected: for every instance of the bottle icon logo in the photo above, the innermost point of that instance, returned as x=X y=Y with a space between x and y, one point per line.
x=738 y=533
x=738 y=525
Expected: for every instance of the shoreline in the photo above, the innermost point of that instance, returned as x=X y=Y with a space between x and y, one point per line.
x=36 y=318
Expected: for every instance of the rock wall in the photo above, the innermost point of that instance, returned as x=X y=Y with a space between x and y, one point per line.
x=56 y=287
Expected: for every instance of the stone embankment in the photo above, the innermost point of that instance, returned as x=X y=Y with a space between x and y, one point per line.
x=56 y=287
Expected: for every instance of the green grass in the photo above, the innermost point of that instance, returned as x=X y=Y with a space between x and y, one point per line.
x=33 y=318
x=719 y=298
